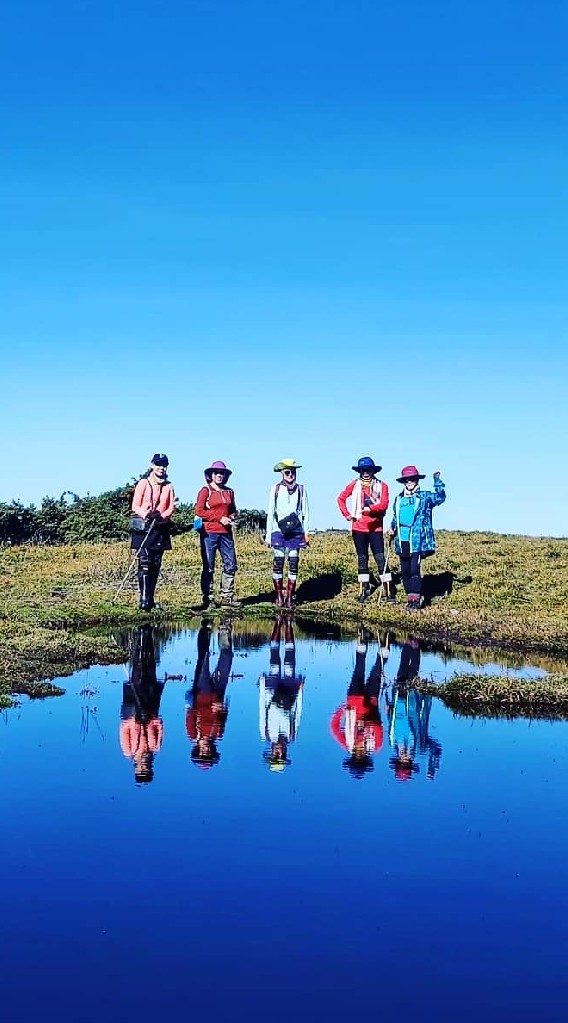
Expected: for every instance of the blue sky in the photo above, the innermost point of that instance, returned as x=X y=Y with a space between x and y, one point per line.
x=257 y=230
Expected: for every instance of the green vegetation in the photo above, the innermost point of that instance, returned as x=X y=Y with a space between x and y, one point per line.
x=503 y=696
x=486 y=590
x=72 y=519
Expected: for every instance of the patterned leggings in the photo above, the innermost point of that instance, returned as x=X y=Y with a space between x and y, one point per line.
x=279 y=556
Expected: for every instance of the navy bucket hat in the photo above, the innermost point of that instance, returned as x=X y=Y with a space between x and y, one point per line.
x=366 y=464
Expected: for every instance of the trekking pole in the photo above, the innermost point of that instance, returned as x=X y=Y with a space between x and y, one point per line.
x=385 y=576
x=134 y=560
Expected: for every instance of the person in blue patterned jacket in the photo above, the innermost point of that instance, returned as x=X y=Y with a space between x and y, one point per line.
x=412 y=527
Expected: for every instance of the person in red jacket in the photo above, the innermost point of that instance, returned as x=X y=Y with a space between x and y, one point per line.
x=357 y=725
x=206 y=706
x=215 y=505
x=369 y=502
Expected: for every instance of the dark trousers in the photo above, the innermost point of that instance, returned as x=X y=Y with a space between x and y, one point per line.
x=210 y=544
x=362 y=543
x=410 y=572
x=372 y=687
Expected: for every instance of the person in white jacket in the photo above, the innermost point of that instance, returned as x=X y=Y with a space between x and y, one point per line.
x=287 y=528
x=280 y=698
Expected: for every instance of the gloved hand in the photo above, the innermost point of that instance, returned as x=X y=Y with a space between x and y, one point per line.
x=437 y=474
x=154 y=516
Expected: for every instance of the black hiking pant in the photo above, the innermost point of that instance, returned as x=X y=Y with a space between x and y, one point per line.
x=364 y=541
x=410 y=572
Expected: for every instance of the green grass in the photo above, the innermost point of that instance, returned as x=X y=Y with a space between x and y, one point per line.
x=506 y=591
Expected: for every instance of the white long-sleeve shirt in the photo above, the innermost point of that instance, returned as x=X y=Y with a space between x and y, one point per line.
x=284 y=504
x=277 y=722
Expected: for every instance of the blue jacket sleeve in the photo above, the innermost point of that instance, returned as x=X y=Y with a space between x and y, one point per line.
x=438 y=495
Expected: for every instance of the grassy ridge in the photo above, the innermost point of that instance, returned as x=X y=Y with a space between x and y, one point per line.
x=486 y=589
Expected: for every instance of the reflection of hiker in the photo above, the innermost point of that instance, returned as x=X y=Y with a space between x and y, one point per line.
x=409 y=661
x=141 y=728
x=287 y=528
x=369 y=501
x=280 y=698
x=215 y=505
x=412 y=526
x=357 y=724
x=408 y=716
x=206 y=707
x=152 y=508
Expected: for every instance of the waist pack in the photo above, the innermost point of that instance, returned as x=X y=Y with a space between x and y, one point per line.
x=289 y=525
x=138 y=524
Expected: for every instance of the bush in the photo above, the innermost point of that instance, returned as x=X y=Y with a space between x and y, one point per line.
x=74 y=519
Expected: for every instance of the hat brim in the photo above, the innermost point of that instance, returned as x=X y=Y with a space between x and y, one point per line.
x=279 y=467
x=404 y=479
x=215 y=468
x=366 y=468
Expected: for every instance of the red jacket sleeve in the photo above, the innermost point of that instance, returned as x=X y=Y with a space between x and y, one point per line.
x=205 y=513
x=335 y=727
x=342 y=500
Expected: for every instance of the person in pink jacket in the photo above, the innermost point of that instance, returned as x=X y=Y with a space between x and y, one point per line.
x=141 y=727
x=152 y=508
x=369 y=498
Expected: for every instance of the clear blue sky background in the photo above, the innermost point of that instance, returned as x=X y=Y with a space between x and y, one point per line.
x=250 y=230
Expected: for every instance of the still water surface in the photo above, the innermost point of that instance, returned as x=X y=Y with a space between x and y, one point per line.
x=238 y=824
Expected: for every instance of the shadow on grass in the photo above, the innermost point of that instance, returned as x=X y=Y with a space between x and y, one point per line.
x=323 y=587
x=259 y=598
x=441 y=585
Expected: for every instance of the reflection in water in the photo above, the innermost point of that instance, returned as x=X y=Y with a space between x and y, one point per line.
x=362 y=898
x=357 y=724
x=408 y=717
x=206 y=707
x=141 y=728
x=280 y=696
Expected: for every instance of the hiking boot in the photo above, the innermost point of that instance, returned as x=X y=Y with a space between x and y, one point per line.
x=228 y=591
x=413 y=605
x=290 y=591
x=365 y=592
x=146 y=602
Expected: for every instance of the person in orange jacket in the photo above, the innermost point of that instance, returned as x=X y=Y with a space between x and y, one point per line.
x=141 y=727
x=369 y=497
x=152 y=508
